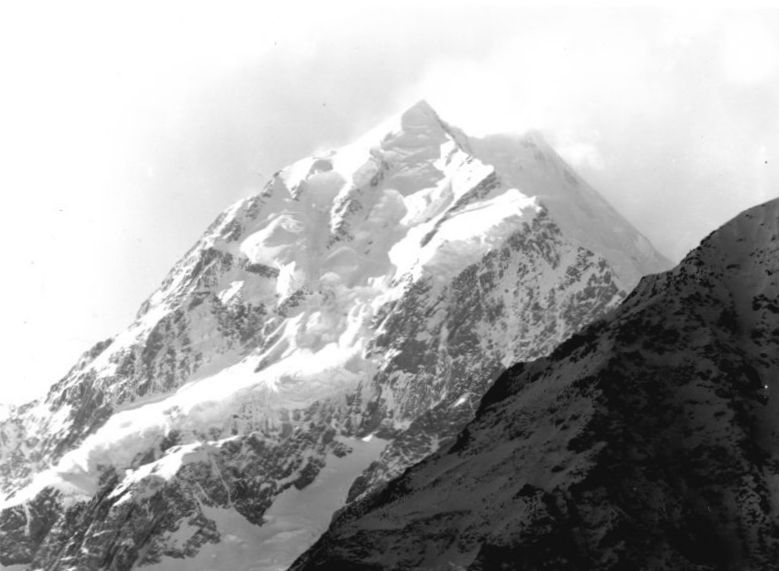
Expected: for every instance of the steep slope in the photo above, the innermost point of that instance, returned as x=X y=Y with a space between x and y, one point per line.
x=648 y=441
x=529 y=163
x=373 y=290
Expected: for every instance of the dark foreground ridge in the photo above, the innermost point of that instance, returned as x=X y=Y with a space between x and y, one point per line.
x=649 y=441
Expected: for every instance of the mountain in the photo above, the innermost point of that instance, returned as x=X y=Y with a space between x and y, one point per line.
x=338 y=326
x=649 y=440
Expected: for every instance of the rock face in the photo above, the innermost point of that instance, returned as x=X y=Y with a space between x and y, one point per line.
x=377 y=289
x=650 y=440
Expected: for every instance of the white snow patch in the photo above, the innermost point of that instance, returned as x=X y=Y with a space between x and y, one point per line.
x=229 y=292
x=462 y=400
x=164 y=468
x=293 y=523
x=299 y=376
x=294 y=173
x=288 y=280
x=274 y=244
x=465 y=236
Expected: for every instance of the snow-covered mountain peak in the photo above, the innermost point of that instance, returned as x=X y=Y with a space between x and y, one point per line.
x=373 y=288
x=414 y=134
x=366 y=209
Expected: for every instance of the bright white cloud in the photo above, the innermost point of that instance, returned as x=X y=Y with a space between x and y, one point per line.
x=579 y=149
x=547 y=77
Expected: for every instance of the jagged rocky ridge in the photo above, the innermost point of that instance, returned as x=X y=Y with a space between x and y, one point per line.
x=650 y=440
x=373 y=290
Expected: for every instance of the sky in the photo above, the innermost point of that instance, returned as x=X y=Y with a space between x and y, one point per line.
x=125 y=128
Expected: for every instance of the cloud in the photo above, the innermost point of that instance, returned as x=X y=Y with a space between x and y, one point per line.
x=580 y=149
x=748 y=50
x=549 y=74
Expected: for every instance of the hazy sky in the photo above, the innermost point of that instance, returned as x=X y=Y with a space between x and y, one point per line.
x=125 y=130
